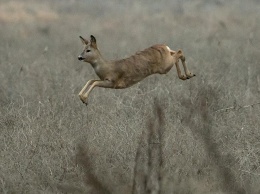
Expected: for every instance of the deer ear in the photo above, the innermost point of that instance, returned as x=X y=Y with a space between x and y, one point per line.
x=84 y=41
x=179 y=52
x=93 y=41
x=92 y=38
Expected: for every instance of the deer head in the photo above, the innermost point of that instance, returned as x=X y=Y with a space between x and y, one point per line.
x=90 y=53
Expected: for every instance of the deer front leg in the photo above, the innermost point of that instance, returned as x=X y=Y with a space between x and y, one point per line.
x=81 y=93
x=186 y=70
x=99 y=83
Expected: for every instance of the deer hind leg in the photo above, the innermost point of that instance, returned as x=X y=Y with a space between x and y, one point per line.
x=183 y=77
x=99 y=83
x=186 y=70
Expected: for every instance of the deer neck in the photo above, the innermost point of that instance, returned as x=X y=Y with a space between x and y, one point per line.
x=99 y=65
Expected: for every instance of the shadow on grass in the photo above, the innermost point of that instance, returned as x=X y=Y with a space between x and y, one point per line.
x=149 y=162
x=91 y=180
x=201 y=107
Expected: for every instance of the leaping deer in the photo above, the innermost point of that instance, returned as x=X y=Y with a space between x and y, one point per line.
x=124 y=73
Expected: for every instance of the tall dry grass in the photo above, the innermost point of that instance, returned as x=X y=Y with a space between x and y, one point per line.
x=51 y=143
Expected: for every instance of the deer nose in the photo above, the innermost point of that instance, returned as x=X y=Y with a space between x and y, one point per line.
x=80 y=58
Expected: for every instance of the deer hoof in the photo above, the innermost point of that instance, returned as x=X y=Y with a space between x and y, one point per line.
x=84 y=100
x=182 y=77
x=190 y=75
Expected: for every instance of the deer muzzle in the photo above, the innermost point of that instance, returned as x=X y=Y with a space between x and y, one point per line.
x=80 y=58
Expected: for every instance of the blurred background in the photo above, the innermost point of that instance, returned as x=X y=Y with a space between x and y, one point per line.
x=212 y=129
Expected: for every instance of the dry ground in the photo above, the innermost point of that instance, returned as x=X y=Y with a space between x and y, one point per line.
x=51 y=143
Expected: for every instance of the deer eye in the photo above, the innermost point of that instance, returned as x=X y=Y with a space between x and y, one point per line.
x=88 y=50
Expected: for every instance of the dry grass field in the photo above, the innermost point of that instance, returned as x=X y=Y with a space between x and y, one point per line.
x=198 y=136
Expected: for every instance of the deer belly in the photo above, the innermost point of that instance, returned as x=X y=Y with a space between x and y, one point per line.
x=127 y=82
